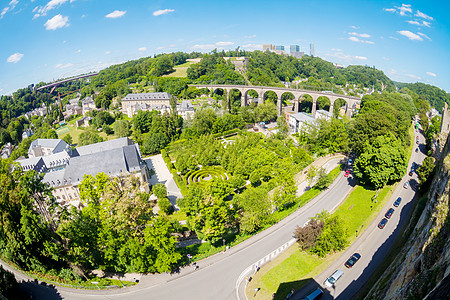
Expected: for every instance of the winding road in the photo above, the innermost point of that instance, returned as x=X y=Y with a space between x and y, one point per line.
x=217 y=275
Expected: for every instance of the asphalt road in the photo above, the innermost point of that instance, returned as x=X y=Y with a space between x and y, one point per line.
x=217 y=275
x=374 y=244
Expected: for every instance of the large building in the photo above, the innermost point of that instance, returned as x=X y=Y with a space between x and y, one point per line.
x=312 y=49
x=64 y=170
x=131 y=103
x=295 y=51
x=43 y=147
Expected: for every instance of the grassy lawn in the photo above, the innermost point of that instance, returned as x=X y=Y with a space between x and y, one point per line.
x=185 y=65
x=179 y=72
x=75 y=133
x=359 y=210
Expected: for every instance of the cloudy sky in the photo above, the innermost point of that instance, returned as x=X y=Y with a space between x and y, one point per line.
x=44 y=40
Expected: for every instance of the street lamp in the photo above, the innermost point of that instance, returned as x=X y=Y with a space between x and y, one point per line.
x=223 y=240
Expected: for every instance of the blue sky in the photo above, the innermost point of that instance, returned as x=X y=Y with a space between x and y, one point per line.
x=43 y=40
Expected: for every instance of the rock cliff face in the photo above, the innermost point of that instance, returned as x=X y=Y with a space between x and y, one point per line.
x=422 y=267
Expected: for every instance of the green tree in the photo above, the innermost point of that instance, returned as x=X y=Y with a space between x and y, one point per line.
x=332 y=238
x=154 y=142
x=165 y=206
x=160 y=190
x=381 y=162
x=68 y=139
x=89 y=137
x=121 y=128
x=426 y=170
x=51 y=134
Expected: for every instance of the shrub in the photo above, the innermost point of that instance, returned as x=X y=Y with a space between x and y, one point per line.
x=333 y=237
x=159 y=190
x=307 y=236
x=165 y=206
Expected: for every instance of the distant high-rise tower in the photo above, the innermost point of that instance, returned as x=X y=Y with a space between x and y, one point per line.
x=294 y=48
x=312 y=50
x=267 y=47
x=279 y=48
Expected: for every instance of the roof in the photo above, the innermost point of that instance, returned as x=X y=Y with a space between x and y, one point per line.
x=112 y=162
x=147 y=96
x=303 y=117
x=186 y=105
x=87 y=100
x=55 y=179
x=58 y=145
x=325 y=112
x=104 y=146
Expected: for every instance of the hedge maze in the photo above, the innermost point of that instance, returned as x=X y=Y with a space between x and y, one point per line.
x=205 y=173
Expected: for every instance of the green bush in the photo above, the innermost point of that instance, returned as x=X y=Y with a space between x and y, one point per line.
x=165 y=206
x=333 y=237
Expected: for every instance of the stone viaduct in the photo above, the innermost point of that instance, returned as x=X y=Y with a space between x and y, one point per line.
x=298 y=94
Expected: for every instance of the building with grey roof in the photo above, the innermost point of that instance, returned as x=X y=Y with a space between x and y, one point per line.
x=130 y=101
x=324 y=114
x=6 y=150
x=298 y=120
x=42 y=147
x=103 y=146
x=186 y=109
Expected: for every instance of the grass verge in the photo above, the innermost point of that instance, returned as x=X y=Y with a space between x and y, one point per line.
x=295 y=270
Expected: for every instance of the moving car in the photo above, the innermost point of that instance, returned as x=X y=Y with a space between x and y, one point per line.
x=406 y=185
x=397 y=202
x=382 y=223
x=352 y=260
x=314 y=295
x=333 y=278
x=389 y=213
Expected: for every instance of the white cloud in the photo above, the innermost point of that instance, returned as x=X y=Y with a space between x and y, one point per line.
x=14 y=58
x=422 y=15
x=431 y=74
x=252 y=46
x=222 y=44
x=116 y=14
x=163 y=12
x=361 y=35
x=12 y=4
x=164 y=47
x=425 y=23
x=394 y=38
x=334 y=49
x=385 y=58
x=390 y=9
x=79 y=50
x=142 y=49
x=203 y=47
x=346 y=57
x=354 y=27
x=414 y=22
x=61 y=66
x=413 y=76
x=251 y=36
x=56 y=22
x=107 y=52
x=424 y=35
x=355 y=39
x=404 y=9
x=52 y=4
x=410 y=35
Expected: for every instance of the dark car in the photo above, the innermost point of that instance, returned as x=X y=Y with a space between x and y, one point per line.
x=417 y=149
x=382 y=223
x=397 y=202
x=389 y=213
x=352 y=260
x=411 y=173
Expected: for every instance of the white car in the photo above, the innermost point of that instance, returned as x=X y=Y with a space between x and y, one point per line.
x=333 y=278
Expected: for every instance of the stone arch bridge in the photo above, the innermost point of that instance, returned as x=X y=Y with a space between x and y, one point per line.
x=279 y=91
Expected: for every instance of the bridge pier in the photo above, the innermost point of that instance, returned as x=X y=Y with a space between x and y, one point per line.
x=243 y=101
x=279 y=106
x=331 y=108
x=296 y=106
x=313 y=110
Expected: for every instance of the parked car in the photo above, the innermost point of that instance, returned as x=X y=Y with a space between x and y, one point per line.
x=411 y=173
x=314 y=295
x=382 y=223
x=406 y=185
x=397 y=202
x=352 y=260
x=331 y=281
x=417 y=149
x=347 y=173
x=389 y=213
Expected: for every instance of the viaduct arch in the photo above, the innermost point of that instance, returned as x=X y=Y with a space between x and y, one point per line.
x=298 y=94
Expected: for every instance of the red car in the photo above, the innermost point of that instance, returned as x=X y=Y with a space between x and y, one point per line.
x=347 y=173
